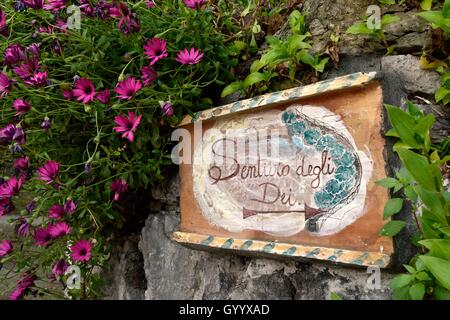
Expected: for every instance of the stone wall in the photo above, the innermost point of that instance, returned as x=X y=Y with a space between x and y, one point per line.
x=148 y=265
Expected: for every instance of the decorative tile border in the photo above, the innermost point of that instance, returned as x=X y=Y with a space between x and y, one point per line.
x=348 y=81
x=285 y=249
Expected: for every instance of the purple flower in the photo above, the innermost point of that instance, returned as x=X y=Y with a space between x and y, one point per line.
x=167 y=109
x=7 y=133
x=6 y=206
x=102 y=8
x=46 y=124
x=11 y=187
x=3 y=27
x=22 y=227
x=127 y=125
x=59 y=268
x=49 y=171
x=118 y=186
x=148 y=75
x=67 y=94
x=31 y=206
x=21 y=106
x=81 y=251
x=54 y=5
x=38 y=79
x=22 y=163
x=6 y=248
x=194 y=4
x=84 y=90
x=150 y=4
x=19 y=135
x=127 y=88
x=34 y=4
x=5 y=85
x=128 y=22
x=59 y=229
x=103 y=96
x=155 y=50
x=56 y=211
x=70 y=206
x=19 y=6
x=25 y=282
x=192 y=56
x=14 y=54
x=42 y=237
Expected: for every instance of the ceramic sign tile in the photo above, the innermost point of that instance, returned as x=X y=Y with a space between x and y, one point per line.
x=289 y=174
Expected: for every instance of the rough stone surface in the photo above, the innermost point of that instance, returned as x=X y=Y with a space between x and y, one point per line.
x=176 y=272
x=125 y=278
x=414 y=79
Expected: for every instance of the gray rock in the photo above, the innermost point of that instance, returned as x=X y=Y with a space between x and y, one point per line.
x=125 y=274
x=176 y=272
x=408 y=22
x=6 y=228
x=414 y=41
x=414 y=79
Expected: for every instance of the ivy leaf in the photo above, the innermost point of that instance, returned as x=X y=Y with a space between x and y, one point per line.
x=392 y=228
x=392 y=207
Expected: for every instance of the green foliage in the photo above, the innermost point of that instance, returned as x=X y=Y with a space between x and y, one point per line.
x=371 y=28
x=291 y=53
x=440 y=19
x=81 y=136
x=421 y=183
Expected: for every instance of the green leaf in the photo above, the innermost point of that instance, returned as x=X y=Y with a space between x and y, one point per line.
x=422 y=276
x=297 y=22
x=295 y=43
x=400 y=281
x=388 y=182
x=424 y=173
x=388 y=19
x=409 y=268
x=335 y=296
x=424 y=125
x=439 y=268
x=392 y=207
x=446 y=10
x=417 y=291
x=426 y=4
x=439 y=248
x=445 y=231
x=441 y=293
x=433 y=202
x=404 y=125
x=252 y=79
x=359 y=28
x=392 y=228
x=441 y=93
x=437 y=19
x=401 y=293
x=232 y=88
